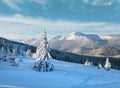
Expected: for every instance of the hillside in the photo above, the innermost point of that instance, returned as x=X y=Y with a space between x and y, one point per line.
x=81 y=59
x=65 y=75
x=8 y=45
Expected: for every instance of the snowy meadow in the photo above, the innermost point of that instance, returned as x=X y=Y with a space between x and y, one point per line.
x=65 y=75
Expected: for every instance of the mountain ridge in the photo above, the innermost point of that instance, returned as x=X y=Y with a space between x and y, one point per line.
x=86 y=44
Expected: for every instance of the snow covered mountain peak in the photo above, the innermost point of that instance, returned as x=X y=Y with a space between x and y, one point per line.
x=77 y=33
x=76 y=36
x=70 y=36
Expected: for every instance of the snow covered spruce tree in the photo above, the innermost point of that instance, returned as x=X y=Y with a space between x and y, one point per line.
x=28 y=53
x=13 y=58
x=107 y=65
x=43 y=62
x=99 y=66
x=88 y=63
x=21 y=56
x=2 y=54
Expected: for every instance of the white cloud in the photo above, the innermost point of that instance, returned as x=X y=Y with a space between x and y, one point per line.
x=86 y=1
x=13 y=3
x=101 y=2
x=21 y=27
x=41 y=1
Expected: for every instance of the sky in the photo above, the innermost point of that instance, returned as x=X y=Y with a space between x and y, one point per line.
x=26 y=19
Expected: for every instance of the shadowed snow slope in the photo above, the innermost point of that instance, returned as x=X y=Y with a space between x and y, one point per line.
x=65 y=75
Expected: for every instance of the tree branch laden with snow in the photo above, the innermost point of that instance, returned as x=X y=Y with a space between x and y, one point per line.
x=43 y=62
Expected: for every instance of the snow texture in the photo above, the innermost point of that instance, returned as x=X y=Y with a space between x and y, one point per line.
x=65 y=75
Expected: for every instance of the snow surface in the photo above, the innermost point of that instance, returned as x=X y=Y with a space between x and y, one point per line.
x=65 y=75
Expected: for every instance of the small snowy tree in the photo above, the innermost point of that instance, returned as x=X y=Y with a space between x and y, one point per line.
x=107 y=65
x=88 y=63
x=28 y=53
x=21 y=57
x=3 y=54
x=8 y=51
x=99 y=66
x=13 y=58
x=44 y=60
x=14 y=52
x=34 y=55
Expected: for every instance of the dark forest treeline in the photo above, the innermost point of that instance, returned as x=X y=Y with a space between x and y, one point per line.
x=70 y=57
x=5 y=43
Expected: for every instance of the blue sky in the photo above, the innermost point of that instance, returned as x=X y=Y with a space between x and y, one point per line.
x=24 y=19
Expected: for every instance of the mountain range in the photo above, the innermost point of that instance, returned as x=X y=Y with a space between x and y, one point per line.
x=85 y=44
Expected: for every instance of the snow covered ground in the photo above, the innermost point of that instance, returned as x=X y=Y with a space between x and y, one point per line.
x=65 y=75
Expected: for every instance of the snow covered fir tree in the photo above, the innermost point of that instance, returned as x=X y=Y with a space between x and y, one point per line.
x=43 y=61
x=28 y=53
x=107 y=65
x=13 y=58
x=8 y=56
x=99 y=66
x=88 y=63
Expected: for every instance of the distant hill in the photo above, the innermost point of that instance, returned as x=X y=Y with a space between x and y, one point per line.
x=20 y=47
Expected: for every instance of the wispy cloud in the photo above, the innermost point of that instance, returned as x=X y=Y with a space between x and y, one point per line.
x=101 y=2
x=40 y=1
x=86 y=1
x=13 y=3
x=21 y=27
x=85 y=10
